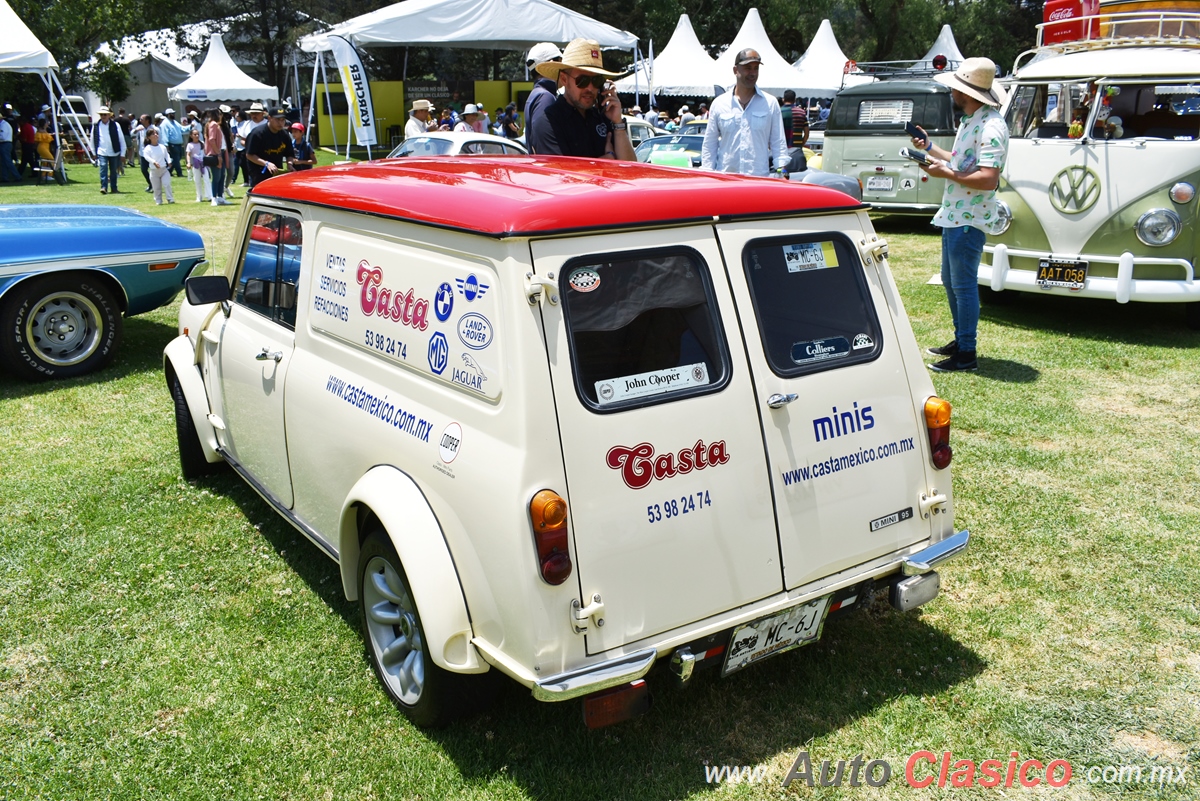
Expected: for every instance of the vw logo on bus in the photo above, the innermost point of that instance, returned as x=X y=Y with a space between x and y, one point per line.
x=1075 y=189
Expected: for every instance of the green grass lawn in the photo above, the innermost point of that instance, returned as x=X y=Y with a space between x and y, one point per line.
x=160 y=639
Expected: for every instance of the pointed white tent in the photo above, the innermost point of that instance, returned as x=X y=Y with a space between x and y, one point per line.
x=472 y=24
x=220 y=79
x=20 y=50
x=776 y=75
x=822 y=68
x=943 y=45
x=682 y=68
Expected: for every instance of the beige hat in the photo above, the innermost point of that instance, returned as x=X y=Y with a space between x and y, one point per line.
x=224 y=109
x=470 y=109
x=422 y=105
x=104 y=110
x=256 y=107
x=580 y=54
x=975 y=78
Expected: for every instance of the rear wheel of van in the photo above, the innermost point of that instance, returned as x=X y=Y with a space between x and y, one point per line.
x=192 y=462
x=59 y=325
x=395 y=641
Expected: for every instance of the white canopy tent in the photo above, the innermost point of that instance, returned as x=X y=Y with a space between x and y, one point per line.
x=775 y=76
x=822 y=68
x=21 y=51
x=682 y=68
x=943 y=45
x=220 y=79
x=153 y=74
x=471 y=24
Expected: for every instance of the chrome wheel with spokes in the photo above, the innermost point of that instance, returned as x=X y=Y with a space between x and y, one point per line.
x=393 y=633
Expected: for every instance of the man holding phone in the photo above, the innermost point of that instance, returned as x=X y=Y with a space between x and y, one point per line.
x=972 y=172
x=585 y=120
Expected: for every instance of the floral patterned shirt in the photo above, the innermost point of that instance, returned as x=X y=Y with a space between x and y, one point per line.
x=982 y=141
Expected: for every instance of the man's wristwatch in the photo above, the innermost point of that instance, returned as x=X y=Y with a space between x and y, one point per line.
x=620 y=126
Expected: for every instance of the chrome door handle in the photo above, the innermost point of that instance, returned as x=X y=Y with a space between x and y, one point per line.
x=778 y=401
x=276 y=357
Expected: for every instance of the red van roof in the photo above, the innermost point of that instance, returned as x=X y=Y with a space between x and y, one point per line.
x=535 y=195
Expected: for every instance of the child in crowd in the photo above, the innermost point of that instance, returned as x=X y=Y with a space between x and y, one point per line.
x=158 y=161
x=305 y=157
x=195 y=159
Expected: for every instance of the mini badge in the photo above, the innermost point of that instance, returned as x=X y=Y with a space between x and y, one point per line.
x=892 y=519
x=471 y=288
x=862 y=341
x=584 y=280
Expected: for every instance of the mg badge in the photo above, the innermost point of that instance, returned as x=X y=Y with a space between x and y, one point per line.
x=1075 y=189
x=439 y=352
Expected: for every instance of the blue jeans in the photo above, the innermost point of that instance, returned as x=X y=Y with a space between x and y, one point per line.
x=110 y=168
x=962 y=249
x=7 y=171
x=218 y=181
x=176 y=152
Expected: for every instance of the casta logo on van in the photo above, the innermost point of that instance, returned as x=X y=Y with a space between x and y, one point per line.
x=640 y=465
x=394 y=304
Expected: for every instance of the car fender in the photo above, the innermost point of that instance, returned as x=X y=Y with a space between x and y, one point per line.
x=403 y=511
x=180 y=356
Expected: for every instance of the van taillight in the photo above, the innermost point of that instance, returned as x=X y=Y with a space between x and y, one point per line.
x=937 y=421
x=548 y=514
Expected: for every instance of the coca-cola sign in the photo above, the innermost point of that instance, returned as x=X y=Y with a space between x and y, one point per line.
x=1061 y=14
x=640 y=464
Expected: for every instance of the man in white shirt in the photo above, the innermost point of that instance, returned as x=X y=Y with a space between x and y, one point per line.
x=418 y=123
x=745 y=129
x=8 y=172
x=109 y=144
x=255 y=119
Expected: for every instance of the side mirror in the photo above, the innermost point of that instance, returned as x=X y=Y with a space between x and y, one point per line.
x=204 y=289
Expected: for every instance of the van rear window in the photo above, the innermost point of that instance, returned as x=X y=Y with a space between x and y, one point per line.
x=812 y=303
x=643 y=328
x=885 y=112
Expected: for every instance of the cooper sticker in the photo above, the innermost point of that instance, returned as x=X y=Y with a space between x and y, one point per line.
x=475 y=331
x=584 y=280
x=470 y=288
x=654 y=382
x=803 y=256
x=892 y=519
x=450 y=442
x=863 y=341
x=439 y=352
x=443 y=302
x=820 y=349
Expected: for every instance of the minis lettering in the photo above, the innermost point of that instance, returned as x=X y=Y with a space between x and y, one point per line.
x=639 y=465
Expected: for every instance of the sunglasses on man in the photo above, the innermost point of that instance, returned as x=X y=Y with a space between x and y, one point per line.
x=596 y=81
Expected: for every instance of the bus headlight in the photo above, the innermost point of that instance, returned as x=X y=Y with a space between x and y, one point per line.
x=1158 y=227
x=1003 y=218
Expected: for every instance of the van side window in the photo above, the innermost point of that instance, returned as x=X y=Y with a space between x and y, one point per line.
x=643 y=328
x=812 y=303
x=270 y=269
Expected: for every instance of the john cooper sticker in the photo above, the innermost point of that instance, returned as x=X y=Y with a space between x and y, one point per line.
x=657 y=381
x=450 y=442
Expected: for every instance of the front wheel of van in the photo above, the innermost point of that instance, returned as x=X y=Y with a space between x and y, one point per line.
x=1192 y=315
x=395 y=640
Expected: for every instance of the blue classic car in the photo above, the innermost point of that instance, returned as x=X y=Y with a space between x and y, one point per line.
x=68 y=273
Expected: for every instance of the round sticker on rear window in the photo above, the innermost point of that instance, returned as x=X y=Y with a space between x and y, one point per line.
x=584 y=279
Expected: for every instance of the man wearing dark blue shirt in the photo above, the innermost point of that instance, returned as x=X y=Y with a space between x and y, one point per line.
x=544 y=90
x=586 y=119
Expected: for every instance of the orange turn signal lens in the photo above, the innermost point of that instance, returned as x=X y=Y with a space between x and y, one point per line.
x=937 y=412
x=547 y=510
x=163 y=265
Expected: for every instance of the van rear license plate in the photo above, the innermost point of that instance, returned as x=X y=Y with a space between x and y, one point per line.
x=1068 y=274
x=782 y=631
x=879 y=183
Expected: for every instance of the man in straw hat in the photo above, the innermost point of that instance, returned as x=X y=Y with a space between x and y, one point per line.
x=585 y=120
x=972 y=173
x=418 y=123
x=745 y=129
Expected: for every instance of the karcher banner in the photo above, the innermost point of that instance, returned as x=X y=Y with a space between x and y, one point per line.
x=358 y=91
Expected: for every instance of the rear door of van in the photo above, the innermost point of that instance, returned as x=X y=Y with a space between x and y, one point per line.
x=668 y=489
x=841 y=416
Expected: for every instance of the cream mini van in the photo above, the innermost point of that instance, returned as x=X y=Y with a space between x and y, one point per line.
x=564 y=419
x=1099 y=189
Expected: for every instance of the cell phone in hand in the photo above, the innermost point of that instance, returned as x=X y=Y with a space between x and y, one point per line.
x=915 y=133
x=919 y=156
